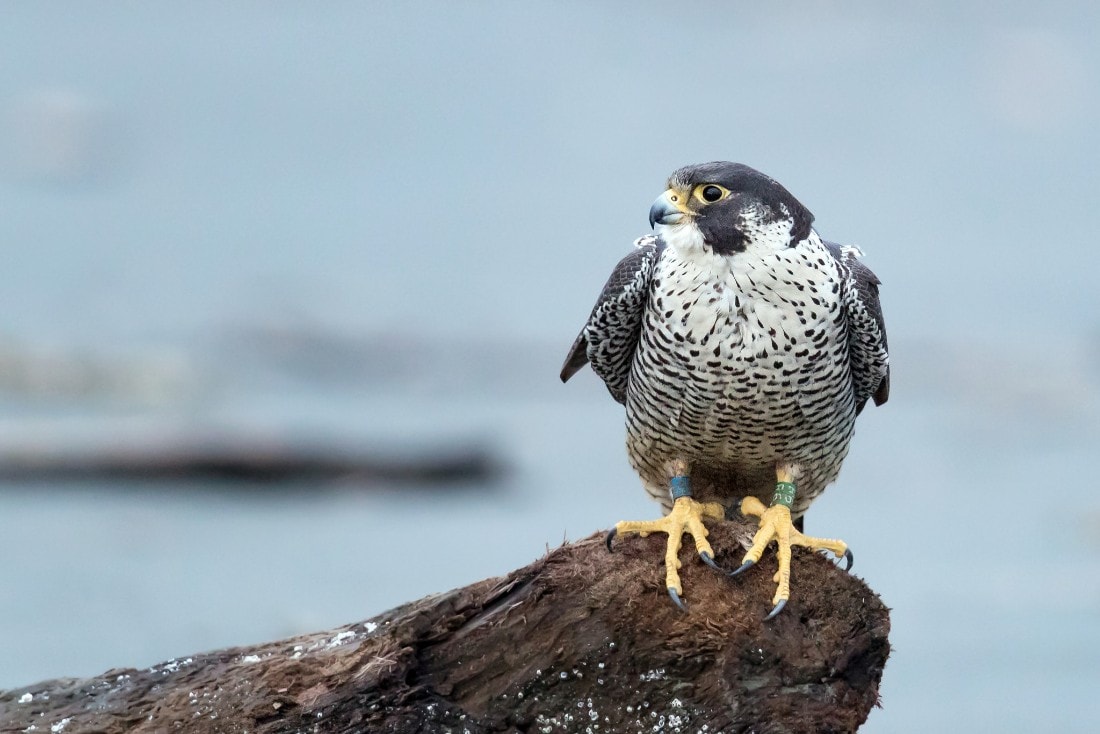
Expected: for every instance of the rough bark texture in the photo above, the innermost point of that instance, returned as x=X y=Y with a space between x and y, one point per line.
x=579 y=641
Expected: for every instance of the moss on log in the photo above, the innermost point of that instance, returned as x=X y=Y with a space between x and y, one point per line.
x=579 y=641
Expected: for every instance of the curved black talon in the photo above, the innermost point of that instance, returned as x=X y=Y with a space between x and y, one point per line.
x=710 y=562
x=676 y=599
x=610 y=537
x=778 y=608
x=744 y=565
x=850 y=560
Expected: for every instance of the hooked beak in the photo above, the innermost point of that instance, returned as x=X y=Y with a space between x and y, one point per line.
x=668 y=209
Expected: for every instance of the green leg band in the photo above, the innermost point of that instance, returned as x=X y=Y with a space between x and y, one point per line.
x=784 y=494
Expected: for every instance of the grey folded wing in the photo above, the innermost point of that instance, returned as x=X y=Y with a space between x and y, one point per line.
x=610 y=336
x=867 y=349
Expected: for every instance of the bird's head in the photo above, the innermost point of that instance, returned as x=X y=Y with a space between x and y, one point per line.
x=728 y=208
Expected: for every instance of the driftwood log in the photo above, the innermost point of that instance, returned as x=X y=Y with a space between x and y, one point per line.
x=245 y=459
x=579 y=641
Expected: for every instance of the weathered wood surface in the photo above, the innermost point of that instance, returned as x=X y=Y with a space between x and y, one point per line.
x=579 y=641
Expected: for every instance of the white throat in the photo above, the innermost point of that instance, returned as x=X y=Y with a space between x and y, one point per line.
x=683 y=237
x=763 y=237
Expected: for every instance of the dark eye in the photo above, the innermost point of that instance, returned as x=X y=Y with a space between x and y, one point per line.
x=712 y=193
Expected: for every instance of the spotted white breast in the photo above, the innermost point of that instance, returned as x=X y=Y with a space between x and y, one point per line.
x=742 y=362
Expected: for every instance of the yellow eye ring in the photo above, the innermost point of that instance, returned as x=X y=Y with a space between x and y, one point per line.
x=710 y=193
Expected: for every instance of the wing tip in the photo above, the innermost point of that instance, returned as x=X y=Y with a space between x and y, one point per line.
x=576 y=359
x=882 y=392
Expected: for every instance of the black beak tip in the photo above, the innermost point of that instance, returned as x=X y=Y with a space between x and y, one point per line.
x=657 y=213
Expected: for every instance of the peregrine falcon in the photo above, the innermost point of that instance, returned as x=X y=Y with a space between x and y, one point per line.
x=743 y=346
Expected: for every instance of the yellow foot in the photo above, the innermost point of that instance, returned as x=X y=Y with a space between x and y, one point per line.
x=686 y=517
x=775 y=523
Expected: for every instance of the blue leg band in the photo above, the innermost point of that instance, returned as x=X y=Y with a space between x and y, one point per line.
x=681 y=487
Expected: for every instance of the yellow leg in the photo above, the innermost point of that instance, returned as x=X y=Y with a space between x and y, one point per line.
x=686 y=517
x=776 y=524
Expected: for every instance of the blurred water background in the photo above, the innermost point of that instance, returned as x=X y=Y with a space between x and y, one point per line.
x=383 y=224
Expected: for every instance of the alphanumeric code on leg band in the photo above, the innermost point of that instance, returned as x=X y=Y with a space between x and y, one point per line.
x=784 y=494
